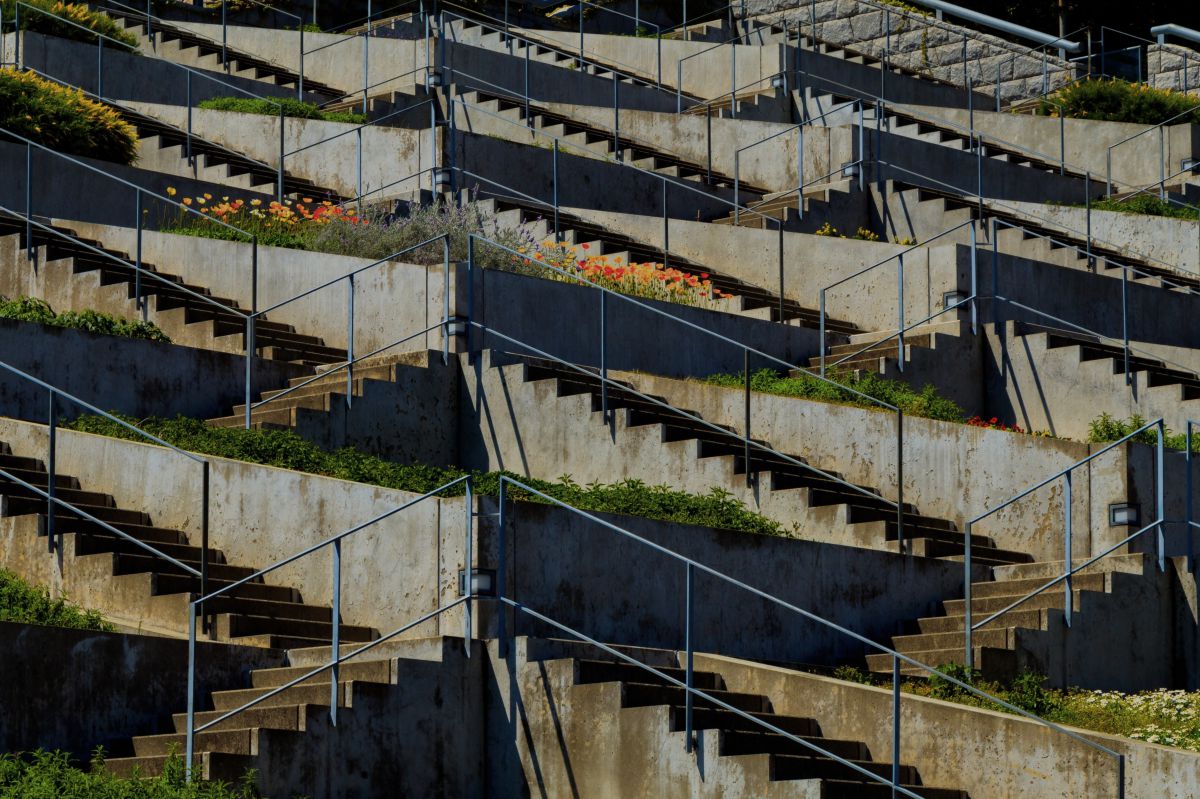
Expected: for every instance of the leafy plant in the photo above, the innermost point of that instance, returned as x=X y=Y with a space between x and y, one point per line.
x=285 y=449
x=29 y=604
x=30 y=309
x=63 y=119
x=1146 y=204
x=55 y=18
x=926 y=402
x=1105 y=429
x=941 y=688
x=52 y=775
x=1116 y=100
x=1027 y=691
x=291 y=108
x=852 y=674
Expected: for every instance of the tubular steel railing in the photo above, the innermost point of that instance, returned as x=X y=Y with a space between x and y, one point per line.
x=1161 y=127
x=1069 y=569
x=336 y=658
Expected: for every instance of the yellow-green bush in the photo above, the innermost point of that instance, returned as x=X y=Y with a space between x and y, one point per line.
x=57 y=18
x=63 y=119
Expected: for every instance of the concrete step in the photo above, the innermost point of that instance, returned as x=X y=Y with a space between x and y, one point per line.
x=597 y=671
x=997 y=637
x=644 y=695
x=1036 y=619
x=756 y=743
x=213 y=766
x=995 y=663
x=237 y=625
x=1050 y=598
x=309 y=693
x=1047 y=570
x=232 y=741
x=281 y=717
x=378 y=671
x=708 y=718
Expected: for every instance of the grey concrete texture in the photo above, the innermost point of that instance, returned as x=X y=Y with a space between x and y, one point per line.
x=1084 y=144
x=1172 y=66
x=1023 y=757
x=131 y=376
x=77 y=689
x=577 y=571
x=257 y=515
x=127 y=76
x=327 y=153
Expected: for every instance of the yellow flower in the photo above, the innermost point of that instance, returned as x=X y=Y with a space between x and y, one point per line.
x=188 y=201
x=256 y=202
x=170 y=191
x=200 y=200
x=207 y=196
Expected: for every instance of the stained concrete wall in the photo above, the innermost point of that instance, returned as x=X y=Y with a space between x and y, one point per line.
x=77 y=689
x=327 y=153
x=131 y=376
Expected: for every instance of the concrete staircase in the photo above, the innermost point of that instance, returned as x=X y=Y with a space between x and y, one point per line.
x=178 y=43
x=924 y=535
x=134 y=587
x=599 y=140
x=640 y=715
x=69 y=264
x=750 y=299
x=1009 y=644
x=885 y=356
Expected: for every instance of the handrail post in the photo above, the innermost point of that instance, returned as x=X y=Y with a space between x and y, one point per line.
x=737 y=157
x=580 y=35
x=616 y=117
x=666 y=246
x=1067 y=558
x=501 y=567
x=900 y=314
x=528 y=118
x=335 y=644
x=821 y=339
x=188 y=148
x=604 y=356
x=1125 y=321
x=690 y=661
x=300 y=82
x=350 y=341
x=51 y=457
x=900 y=481
x=100 y=67
x=1087 y=200
x=1108 y=174
x=895 y=722
x=554 y=180
x=469 y=588
x=974 y=278
x=1190 y=524
x=746 y=442
x=679 y=86
x=1162 y=162
x=139 y=302
x=279 y=189
x=1062 y=143
x=800 y=171
x=249 y=362
x=224 y=38
x=1160 y=496
x=446 y=300
x=191 y=690
x=205 y=488
x=779 y=228
x=29 y=248
x=970 y=650
x=708 y=138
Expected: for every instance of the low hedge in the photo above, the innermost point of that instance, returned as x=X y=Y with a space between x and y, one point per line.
x=291 y=108
x=287 y=450
x=28 y=604
x=57 y=18
x=1120 y=101
x=63 y=119
x=29 y=309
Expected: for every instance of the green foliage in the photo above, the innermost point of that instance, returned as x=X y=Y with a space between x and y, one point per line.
x=1148 y=205
x=63 y=119
x=57 y=19
x=926 y=402
x=291 y=108
x=1120 y=101
x=1105 y=429
x=852 y=674
x=1027 y=691
x=28 y=604
x=51 y=775
x=287 y=450
x=941 y=688
x=29 y=309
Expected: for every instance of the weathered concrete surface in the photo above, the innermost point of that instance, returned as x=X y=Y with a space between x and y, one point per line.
x=131 y=376
x=258 y=515
x=75 y=689
x=326 y=153
x=989 y=754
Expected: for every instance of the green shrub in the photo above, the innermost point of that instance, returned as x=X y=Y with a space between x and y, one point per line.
x=51 y=775
x=1146 y=204
x=63 y=119
x=926 y=402
x=28 y=604
x=287 y=450
x=29 y=309
x=1105 y=429
x=1120 y=101
x=291 y=108
x=56 y=22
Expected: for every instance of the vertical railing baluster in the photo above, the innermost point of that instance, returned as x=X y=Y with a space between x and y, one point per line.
x=689 y=677
x=895 y=723
x=336 y=616
x=51 y=458
x=1067 y=573
x=139 y=303
x=970 y=650
x=249 y=364
x=191 y=697
x=469 y=512
x=350 y=341
x=746 y=442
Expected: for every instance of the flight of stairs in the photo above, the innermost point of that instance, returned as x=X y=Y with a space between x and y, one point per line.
x=174 y=42
x=924 y=535
x=511 y=212
x=170 y=306
x=142 y=588
x=759 y=755
x=998 y=654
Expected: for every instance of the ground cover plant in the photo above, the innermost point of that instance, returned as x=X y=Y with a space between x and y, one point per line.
x=30 y=309
x=57 y=18
x=1106 y=428
x=52 y=775
x=291 y=108
x=1116 y=100
x=1166 y=717
x=380 y=231
x=63 y=119
x=285 y=449
x=926 y=402
x=1148 y=205
x=29 y=604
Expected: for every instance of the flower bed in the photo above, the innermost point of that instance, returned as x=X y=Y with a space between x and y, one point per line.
x=63 y=119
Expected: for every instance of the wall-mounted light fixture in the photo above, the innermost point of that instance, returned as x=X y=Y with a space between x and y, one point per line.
x=1124 y=514
x=483 y=582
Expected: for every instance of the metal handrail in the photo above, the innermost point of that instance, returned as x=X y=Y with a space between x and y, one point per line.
x=360 y=20
x=1068 y=568
x=1002 y=25
x=195 y=608
x=1171 y=29
x=426 y=69
x=1161 y=128
x=692 y=566
x=732 y=93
